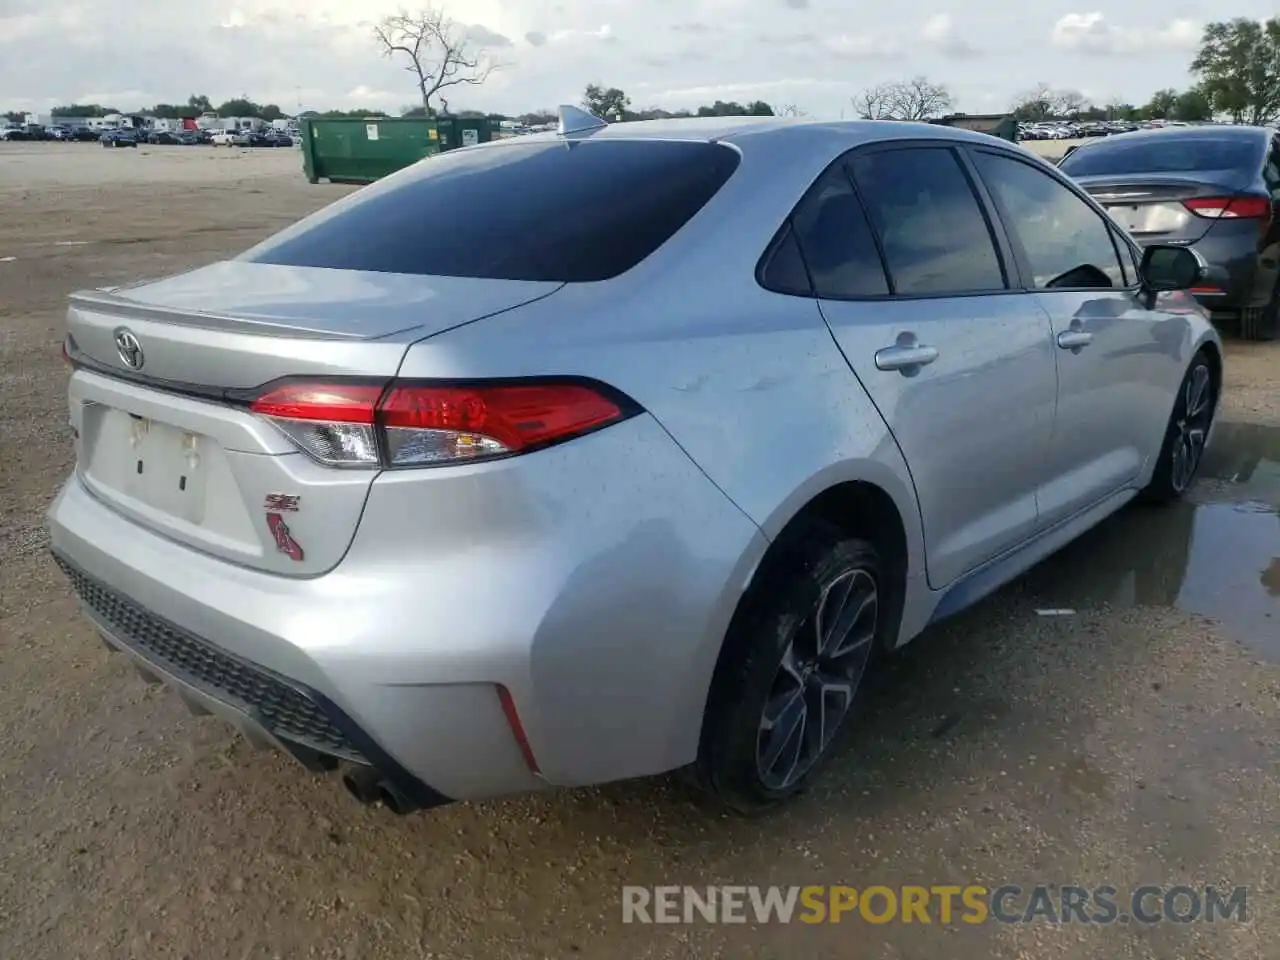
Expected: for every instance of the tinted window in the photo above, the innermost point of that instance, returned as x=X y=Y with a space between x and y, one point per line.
x=1271 y=171
x=1067 y=243
x=837 y=242
x=534 y=211
x=784 y=270
x=1164 y=153
x=931 y=227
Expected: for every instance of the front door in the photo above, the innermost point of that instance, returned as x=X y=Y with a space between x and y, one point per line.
x=959 y=363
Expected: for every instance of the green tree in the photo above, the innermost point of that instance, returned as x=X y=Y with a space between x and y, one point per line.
x=1192 y=106
x=240 y=106
x=13 y=116
x=271 y=112
x=200 y=103
x=1036 y=104
x=1162 y=104
x=348 y=114
x=607 y=104
x=83 y=110
x=1239 y=69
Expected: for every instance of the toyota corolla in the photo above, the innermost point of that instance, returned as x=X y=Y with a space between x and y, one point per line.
x=602 y=452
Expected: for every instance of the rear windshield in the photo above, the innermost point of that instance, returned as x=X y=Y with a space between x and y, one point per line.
x=1160 y=154
x=546 y=210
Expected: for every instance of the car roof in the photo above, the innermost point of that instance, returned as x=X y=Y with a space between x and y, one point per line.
x=766 y=132
x=1195 y=132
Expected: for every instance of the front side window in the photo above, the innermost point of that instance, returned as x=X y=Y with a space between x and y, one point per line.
x=935 y=237
x=1068 y=244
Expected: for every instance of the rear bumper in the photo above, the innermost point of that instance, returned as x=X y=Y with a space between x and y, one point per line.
x=594 y=581
x=1249 y=276
x=271 y=711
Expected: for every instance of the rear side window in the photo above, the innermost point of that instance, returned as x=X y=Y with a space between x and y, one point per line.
x=837 y=242
x=538 y=211
x=935 y=237
x=1165 y=153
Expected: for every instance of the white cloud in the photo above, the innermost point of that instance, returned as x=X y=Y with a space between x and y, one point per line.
x=939 y=32
x=1092 y=33
x=673 y=53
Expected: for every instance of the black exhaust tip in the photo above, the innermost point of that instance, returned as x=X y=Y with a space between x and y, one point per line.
x=362 y=783
x=395 y=800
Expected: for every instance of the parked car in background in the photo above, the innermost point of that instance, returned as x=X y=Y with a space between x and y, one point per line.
x=57 y=132
x=230 y=138
x=652 y=491
x=122 y=137
x=85 y=134
x=163 y=137
x=1213 y=188
x=12 y=131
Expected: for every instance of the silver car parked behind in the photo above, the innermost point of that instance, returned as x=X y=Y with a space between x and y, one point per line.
x=593 y=454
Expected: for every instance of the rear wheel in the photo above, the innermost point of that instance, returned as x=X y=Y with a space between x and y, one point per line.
x=1261 y=323
x=792 y=669
x=1184 y=439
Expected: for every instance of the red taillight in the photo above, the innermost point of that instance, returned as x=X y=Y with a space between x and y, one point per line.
x=416 y=424
x=518 y=417
x=1230 y=208
x=335 y=403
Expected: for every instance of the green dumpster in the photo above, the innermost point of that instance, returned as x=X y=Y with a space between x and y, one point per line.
x=463 y=131
x=366 y=149
x=996 y=124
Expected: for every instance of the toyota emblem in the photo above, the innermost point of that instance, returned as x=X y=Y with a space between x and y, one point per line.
x=129 y=348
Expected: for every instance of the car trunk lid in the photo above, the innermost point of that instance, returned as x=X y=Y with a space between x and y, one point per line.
x=168 y=439
x=1153 y=207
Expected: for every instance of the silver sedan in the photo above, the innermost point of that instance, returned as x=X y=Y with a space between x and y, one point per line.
x=601 y=452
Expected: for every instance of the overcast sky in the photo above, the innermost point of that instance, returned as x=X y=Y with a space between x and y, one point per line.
x=672 y=53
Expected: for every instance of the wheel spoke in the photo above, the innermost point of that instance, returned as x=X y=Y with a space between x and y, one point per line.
x=858 y=627
x=784 y=741
x=831 y=608
x=1197 y=394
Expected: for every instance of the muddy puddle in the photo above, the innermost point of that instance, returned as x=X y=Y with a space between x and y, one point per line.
x=1216 y=555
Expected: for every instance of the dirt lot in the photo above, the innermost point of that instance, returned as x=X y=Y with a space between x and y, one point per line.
x=1132 y=741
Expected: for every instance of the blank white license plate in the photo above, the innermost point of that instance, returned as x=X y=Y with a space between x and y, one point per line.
x=162 y=467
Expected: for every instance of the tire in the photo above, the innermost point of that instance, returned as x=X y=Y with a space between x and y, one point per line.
x=1183 y=448
x=772 y=657
x=1261 y=323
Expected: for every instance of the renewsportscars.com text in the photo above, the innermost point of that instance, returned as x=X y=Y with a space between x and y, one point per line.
x=941 y=904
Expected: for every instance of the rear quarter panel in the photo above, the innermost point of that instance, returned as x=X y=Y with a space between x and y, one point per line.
x=749 y=383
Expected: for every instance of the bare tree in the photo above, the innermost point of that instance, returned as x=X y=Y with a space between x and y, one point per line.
x=440 y=52
x=919 y=99
x=790 y=110
x=875 y=103
x=914 y=99
x=1070 y=103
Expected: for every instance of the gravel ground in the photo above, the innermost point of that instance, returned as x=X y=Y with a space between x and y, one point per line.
x=1132 y=741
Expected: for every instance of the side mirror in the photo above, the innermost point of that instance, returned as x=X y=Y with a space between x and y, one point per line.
x=1166 y=268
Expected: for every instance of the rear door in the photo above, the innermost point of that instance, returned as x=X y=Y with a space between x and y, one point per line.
x=915 y=286
x=1118 y=363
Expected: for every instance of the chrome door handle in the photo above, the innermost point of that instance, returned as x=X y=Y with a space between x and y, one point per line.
x=902 y=357
x=1074 y=339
